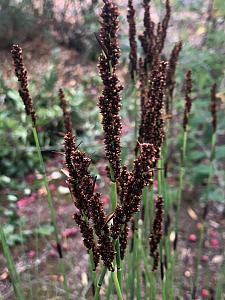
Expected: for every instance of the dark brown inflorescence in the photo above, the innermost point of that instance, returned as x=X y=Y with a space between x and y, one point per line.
x=66 y=112
x=80 y=184
x=170 y=81
x=214 y=107
x=136 y=180
x=156 y=233
x=105 y=247
x=188 y=100
x=132 y=38
x=21 y=74
x=154 y=35
x=123 y=240
x=110 y=101
x=162 y=28
x=152 y=123
x=148 y=37
x=88 y=203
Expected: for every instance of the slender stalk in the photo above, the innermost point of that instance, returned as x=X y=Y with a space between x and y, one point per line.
x=99 y=284
x=109 y=289
x=93 y=271
x=51 y=209
x=137 y=241
x=117 y=286
x=15 y=279
x=118 y=263
x=49 y=196
x=117 y=244
x=181 y=180
x=149 y=275
x=203 y=225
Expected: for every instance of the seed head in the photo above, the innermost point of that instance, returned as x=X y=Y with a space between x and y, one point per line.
x=156 y=233
x=188 y=99
x=21 y=74
x=132 y=38
x=110 y=101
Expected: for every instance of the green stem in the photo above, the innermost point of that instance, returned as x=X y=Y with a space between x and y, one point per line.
x=181 y=180
x=118 y=263
x=203 y=227
x=15 y=279
x=109 y=289
x=117 y=286
x=51 y=209
x=99 y=285
x=93 y=271
x=149 y=275
x=45 y=181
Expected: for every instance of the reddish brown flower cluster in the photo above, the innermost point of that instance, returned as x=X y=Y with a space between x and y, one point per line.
x=170 y=81
x=123 y=240
x=81 y=185
x=152 y=123
x=156 y=233
x=214 y=107
x=132 y=186
x=21 y=74
x=148 y=37
x=66 y=112
x=132 y=38
x=110 y=101
x=188 y=100
x=105 y=247
x=162 y=28
x=153 y=42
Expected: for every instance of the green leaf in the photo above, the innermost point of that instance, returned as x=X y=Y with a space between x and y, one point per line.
x=216 y=195
x=45 y=229
x=220 y=152
x=195 y=155
x=8 y=229
x=201 y=169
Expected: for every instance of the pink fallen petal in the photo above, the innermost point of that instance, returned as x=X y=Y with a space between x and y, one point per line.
x=52 y=253
x=31 y=254
x=69 y=232
x=214 y=243
x=212 y=233
x=192 y=237
x=205 y=293
x=25 y=201
x=205 y=258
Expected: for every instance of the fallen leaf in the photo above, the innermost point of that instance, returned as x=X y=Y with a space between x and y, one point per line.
x=217 y=259
x=63 y=190
x=4 y=275
x=192 y=214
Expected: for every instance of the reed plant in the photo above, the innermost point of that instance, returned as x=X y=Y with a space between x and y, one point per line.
x=131 y=254
x=21 y=74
